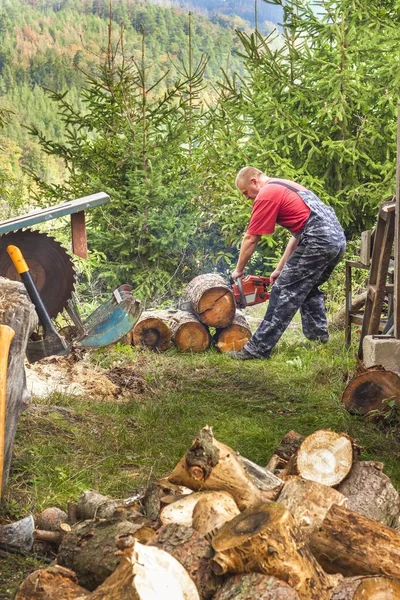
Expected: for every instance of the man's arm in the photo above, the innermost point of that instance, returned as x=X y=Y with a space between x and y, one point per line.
x=290 y=248
x=249 y=244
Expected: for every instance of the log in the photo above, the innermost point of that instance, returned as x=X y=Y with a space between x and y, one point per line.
x=325 y=457
x=147 y=573
x=266 y=539
x=152 y=331
x=211 y=299
x=188 y=333
x=211 y=465
x=93 y=505
x=351 y=544
x=90 y=548
x=255 y=586
x=235 y=336
x=212 y=510
x=367 y=588
x=16 y=311
x=370 y=492
x=286 y=449
x=308 y=501
x=370 y=391
x=180 y=511
x=339 y=319
x=51 y=518
x=194 y=552
x=53 y=583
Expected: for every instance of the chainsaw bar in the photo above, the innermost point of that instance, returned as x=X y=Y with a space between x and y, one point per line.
x=51 y=267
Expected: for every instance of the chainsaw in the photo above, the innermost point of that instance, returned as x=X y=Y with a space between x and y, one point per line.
x=250 y=290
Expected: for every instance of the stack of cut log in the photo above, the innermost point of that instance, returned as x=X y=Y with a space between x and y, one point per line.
x=207 y=302
x=315 y=524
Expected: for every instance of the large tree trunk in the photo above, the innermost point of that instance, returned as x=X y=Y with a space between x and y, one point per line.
x=367 y=588
x=235 y=336
x=152 y=331
x=351 y=544
x=53 y=583
x=210 y=465
x=211 y=299
x=371 y=493
x=188 y=334
x=266 y=539
x=194 y=552
x=255 y=586
x=16 y=311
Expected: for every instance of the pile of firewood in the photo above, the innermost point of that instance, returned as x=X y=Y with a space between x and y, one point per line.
x=208 y=302
x=315 y=524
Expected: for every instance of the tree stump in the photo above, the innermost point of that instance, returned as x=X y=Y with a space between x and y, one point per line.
x=18 y=312
x=188 y=333
x=266 y=539
x=255 y=586
x=367 y=588
x=370 y=390
x=210 y=465
x=308 y=501
x=235 y=336
x=370 y=492
x=146 y=573
x=90 y=548
x=53 y=583
x=211 y=299
x=351 y=544
x=325 y=457
x=194 y=552
x=152 y=331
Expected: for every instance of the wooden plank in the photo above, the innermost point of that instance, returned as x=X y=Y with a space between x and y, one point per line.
x=54 y=212
x=396 y=295
x=348 y=289
x=78 y=231
x=365 y=251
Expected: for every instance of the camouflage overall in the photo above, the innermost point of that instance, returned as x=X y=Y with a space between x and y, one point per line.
x=321 y=246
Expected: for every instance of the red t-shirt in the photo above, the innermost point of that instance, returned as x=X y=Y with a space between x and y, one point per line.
x=278 y=204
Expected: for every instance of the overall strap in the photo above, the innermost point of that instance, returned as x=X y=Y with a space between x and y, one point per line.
x=286 y=185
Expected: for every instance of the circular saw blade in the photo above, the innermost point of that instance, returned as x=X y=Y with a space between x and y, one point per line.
x=51 y=268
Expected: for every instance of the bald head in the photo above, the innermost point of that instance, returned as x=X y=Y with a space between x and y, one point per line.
x=250 y=180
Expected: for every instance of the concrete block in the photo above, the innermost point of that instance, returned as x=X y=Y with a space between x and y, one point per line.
x=382 y=352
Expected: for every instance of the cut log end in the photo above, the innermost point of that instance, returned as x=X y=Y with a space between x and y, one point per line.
x=325 y=457
x=370 y=391
x=192 y=337
x=152 y=333
x=217 y=307
x=234 y=337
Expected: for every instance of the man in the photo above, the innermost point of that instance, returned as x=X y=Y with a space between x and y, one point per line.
x=316 y=246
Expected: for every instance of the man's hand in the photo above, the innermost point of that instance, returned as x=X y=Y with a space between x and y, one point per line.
x=274 y=276
x=237 y=273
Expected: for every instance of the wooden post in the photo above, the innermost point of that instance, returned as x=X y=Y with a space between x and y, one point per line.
x=78 y=231
x=397 y=240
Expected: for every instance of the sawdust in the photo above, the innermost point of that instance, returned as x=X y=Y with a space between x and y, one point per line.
x=67 y=375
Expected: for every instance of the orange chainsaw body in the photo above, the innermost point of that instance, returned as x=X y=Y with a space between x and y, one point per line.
x=250 y=290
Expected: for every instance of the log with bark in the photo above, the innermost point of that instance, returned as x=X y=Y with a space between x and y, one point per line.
x=93 y=505
x=339 y=319
x=211 y=465
x=235 y=336
x=188 y=333
x=371 y=391
x=18 y=312
x=194 y=552
x=152 y=331
x=53 y=583
x=351 y=544
x=266 y=539
x=255 y=586
x=370 y=492
x=211 y=299
x=90 y=548
x=146 y=573
x=285 y=450
x=367 y=588
x=325 y=457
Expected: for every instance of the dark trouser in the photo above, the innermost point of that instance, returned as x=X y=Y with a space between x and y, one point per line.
x=297 y=288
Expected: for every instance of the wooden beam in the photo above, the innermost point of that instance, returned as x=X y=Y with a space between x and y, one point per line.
x=78 y=231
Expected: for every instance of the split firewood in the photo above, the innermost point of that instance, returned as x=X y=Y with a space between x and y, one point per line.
x=146 y=573
x=367 y=588
x=255 y=586
x=194 y=552
x=92 y=505
x=152 y=331
x=53 y=583
x=266 y=539
x=370 y=493
x=286 y=449
x=235 y=336
x=308 y=501
x=371 y=390
x=211 y=299
x=212 y=510
x=180 y=511
x=351 y=544
x=211 y=465
x=325 y=457
x=90 y=548
x=188 y=333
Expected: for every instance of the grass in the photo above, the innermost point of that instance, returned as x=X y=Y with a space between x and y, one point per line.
x=117 y=448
